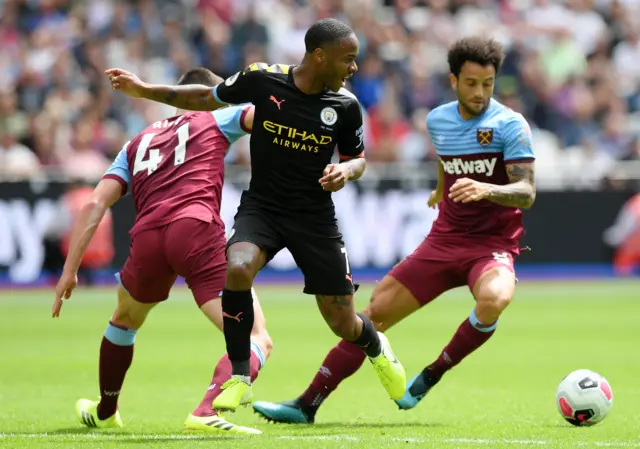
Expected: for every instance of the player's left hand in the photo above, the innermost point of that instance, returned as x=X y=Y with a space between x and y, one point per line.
x=466 y=190
x=334 y=178
x=66 y=284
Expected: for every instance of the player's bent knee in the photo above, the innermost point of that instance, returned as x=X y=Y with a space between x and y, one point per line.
x=495 y=288
x=378 y=307
x=243 y=263
x=390 y=303
x=268 y=346
x=377 y=317
x=130 y=313
x=239 y=277
x=491 y=306
x=127 y=319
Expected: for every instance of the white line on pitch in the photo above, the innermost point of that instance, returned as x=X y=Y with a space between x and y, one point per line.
x=476 y=441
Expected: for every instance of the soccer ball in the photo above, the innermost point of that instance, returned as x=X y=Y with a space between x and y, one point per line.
x=584 y=398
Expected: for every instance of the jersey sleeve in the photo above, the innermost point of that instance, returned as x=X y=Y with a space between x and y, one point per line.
x=351 y=134
x=230 y=121
x=518 y=142
x=429 y=119
x=119 y=170
x=244 y=85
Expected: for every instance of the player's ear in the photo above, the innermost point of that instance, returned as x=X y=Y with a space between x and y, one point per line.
x=319 y=55
x=454 y=81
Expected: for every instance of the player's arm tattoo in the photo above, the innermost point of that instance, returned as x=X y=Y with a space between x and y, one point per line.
x=356 y=167
x=192 y=97
x=521 y=191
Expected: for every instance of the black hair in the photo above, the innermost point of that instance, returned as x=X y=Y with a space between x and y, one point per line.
x=200 y=75
x=475 y=49
x=325 y=31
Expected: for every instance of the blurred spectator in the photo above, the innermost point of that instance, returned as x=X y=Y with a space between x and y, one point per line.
x=16 y=160
x=57 y=235
x=572 y=70
x=369 y=84
x=624 y=236
x=626 y=62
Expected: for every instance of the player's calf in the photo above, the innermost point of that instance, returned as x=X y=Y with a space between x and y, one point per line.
x=390 y=303
x=261 y=347
x=116 y=350
x=470 y=335
x=339 y=313
x=493 y=291
x=244 y=260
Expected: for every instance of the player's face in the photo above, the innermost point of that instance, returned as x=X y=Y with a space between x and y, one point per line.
x=339 y=62
x=474 y=87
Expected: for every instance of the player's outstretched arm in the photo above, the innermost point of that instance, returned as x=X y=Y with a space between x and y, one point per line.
x=106 y=193
x=192 y=97
x=521 y=190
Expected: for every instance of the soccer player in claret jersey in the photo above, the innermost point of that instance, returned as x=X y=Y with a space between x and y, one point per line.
x=302 y=113
x=486 y=175
x=174 y=169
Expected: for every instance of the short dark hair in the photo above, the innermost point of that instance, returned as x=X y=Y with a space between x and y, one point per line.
x=475 y=49
x=200 y=75
x=325 y=31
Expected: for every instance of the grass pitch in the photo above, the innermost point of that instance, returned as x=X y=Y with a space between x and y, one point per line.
x=501 y=397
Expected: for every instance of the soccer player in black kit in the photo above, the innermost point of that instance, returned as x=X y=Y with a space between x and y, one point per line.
x=301 y=114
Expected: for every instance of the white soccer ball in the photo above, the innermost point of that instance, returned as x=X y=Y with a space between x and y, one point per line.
x=584 y=398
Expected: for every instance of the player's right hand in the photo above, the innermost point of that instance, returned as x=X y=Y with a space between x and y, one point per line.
x=434 y=199
x=66 y=284
x=126 y=82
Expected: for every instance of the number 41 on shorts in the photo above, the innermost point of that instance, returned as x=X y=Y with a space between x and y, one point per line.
x=502 y=258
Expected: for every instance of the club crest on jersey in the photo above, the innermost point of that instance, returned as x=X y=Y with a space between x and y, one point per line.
x=232 y=79
x=484 y=136
x=329 y=116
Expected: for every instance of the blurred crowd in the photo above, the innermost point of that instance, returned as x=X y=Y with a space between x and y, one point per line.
x=573 y=70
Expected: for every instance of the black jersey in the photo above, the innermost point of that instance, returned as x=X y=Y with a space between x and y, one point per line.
x=294 y=136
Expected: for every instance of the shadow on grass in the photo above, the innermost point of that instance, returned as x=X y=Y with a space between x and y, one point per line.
x=116 y=435
x=358 y=425
x=322 y=431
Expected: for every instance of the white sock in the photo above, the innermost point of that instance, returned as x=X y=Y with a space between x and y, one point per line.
x=245 y=379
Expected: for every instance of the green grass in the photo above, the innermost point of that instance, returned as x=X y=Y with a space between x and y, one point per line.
x=501 y=397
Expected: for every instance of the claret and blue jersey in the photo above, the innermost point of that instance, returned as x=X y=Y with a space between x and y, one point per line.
x=175 y=167
x=229 y=123
x=480 y=149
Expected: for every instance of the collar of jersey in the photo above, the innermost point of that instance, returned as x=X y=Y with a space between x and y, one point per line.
x=291 y=81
